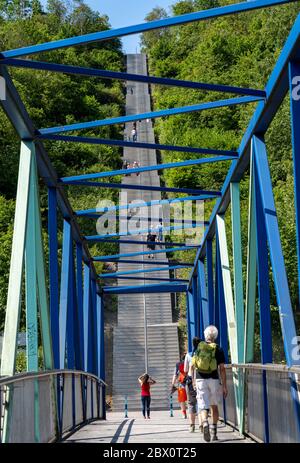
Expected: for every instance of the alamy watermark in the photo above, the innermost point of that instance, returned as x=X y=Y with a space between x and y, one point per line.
x=2 y=88
x=296 y=88
x=184 y=219
x=296 y=348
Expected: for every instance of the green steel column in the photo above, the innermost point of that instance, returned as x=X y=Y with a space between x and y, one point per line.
x=238 y=291
x=41 y=281
x=27 y=241
x=251 y=272
x=231 y=322
x=31 y=280
x=31 y=295
x=16 y=264
x=228 y=295
x=237 y=268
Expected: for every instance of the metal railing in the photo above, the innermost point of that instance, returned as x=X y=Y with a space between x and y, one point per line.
x=44 y=406
x=270 y=411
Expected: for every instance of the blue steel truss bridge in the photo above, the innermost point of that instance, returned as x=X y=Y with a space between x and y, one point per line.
x=65 y=300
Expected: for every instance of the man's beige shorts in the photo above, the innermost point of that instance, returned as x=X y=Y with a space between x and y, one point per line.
x=209 y=392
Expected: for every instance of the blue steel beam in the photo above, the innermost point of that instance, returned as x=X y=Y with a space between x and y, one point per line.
x=172 y=165
x=150 y=279
x=189 y=302
x=135 y=144
x=276 y=89
x=53 y=273
x=272 y=230
x=67 y=69
x=151 y=115
x=210 y=281
x=126 y=186
x=134 y=272
x=294 y=73
x=133 y=254
x=151 y=219
x=80 y=316
x=203 y=301
x=146 y=289
x=147 y=230
x=144 y=27
x=192 y=309
x=64 y=302
x=140 y=205
x=156 y=262
x=97 y=238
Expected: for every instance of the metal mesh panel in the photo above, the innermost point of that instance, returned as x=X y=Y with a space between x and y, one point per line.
x=255 y=405
x=281 y=409
x=22 y=412
x=95 y=399
x=67 y=405
x=47 y=413
x=230 y=406
x=78 y=400
x=88 y=400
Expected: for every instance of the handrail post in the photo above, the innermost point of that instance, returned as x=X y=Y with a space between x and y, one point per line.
x=171 y=406
x=126 y=407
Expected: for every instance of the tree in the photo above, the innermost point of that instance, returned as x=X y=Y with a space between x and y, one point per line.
x=149 y=39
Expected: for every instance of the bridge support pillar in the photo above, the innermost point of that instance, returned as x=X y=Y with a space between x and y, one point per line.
x=203 y=305
x=238 y=293
x=210 y=281
x=294 y=78
x=27 y=247
x=270 y=225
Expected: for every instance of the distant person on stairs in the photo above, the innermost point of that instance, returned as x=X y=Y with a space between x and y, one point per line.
x=134 y=134
x=146 y=381
x=179 y=377
x=136 y=166
x=151 y=237
x=159 y=230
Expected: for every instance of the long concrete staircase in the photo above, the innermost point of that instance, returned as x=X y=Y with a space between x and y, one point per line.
x=129 y=335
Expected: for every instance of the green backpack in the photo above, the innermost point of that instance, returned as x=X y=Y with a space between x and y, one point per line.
x=204 y=359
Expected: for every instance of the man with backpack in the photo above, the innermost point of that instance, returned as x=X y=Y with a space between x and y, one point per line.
x=208 y=361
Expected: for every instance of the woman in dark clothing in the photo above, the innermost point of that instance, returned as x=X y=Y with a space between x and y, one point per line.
x=146 y=381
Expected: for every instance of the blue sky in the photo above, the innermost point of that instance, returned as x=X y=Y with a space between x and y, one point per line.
x=126 y=13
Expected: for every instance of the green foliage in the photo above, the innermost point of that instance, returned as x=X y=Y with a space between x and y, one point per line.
x=238 y=50
x=53 y=99
x=21 y=360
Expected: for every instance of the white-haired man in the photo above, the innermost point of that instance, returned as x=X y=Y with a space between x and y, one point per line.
x=208 y=361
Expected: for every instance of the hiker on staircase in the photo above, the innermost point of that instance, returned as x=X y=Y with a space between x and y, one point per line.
x=179 y=377
x=207 y=362
x=151 y=237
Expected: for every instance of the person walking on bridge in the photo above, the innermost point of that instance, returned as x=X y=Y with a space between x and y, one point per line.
x=208 y=361
x=146 y=381
x=189 y=387
x=179 y=377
